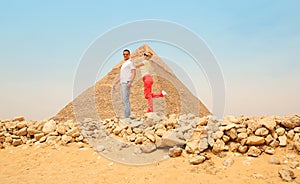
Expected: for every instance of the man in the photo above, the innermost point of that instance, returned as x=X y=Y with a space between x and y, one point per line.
x=127 y=75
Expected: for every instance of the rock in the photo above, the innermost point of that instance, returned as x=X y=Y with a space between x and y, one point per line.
x=65 y=138
x=100 y=148
x=258 y=176
x=148 y=148
x=294 y=164
x=225 y=138
x=229 y=126
x=61 y=129
x=218 y=135
x=160 y=132
x=280 y=131
x=175 y=151
x=73 y=132
x=139 y=139
x=286 y=175
x=21 y=125
x=282 y=140
x=268 y=139
x=218 y=146
x=150 y=136
x=17 y=142
x=117 y=130
x=269 y=123
x=22 y=132
x=274 y=144
x=38 y=136
x=290 y=135
x=137 y=150
x=169 y=139
x=8 y=139
x=261 y=132
x=49 y=127
x=228 y=162
x=270 y=151
x=80 y=145
x=291 y=121
x=32 y=131
x=242 y=136
x=274 y=160
x=297 y=129
x=197 y=160
x=232 y=133
x=19 y=118
x=192 y=146
x=255 y=140
x=43 y=139
x=203 y=145
x=254 y=151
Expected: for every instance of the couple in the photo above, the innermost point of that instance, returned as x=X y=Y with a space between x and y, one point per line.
x=127 y=75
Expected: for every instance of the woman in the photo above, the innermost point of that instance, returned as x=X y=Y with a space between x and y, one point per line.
x=148 y=81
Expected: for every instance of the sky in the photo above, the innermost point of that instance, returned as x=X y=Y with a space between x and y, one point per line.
x=256 y=44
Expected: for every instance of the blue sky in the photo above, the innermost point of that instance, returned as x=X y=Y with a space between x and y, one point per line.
x=255 y=42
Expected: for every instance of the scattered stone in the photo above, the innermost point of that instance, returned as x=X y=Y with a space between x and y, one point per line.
x=100 y=148
x=175 y=151
x=228 y=162
x=65 y=138
x=274 y=160
x=270 y=151
x=286 y=175
x=197 y=160
x=148 y=148
x=17 y=142
x=294 y=164
x=254 y=151
x=19 y=118
x=282 y=140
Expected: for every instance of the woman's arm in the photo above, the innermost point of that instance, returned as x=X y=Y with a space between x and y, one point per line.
x=137 y=65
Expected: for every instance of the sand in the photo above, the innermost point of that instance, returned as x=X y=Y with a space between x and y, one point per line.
x=70 y=164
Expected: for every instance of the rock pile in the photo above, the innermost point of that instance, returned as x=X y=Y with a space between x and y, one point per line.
x=18 y=131
x=185 y=134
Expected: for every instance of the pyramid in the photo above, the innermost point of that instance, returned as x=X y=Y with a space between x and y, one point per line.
x=101 y=101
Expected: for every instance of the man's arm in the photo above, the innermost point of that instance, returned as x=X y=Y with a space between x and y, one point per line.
x=133 y=73
x=116 y=82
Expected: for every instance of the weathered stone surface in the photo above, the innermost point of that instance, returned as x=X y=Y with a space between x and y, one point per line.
x=254 y=151
x=197 y=160
x=269 y=123
x=286 y=175
x=294 y=164
x=32 y=131
x=148 y=148
x=242 y=135
x=228 y=162
x=38 y=136
x=255 y=140
x=175 y=151
x=280 y=131
x=65 y=138
x=261 y=132
x=274 y=160
x=19 y=118
x=49 y=127
x=17 y=142
x=282 y=140
x=270 y=151
x=22 y=131
x=232 y=133
x=61 y=129
x=21 y=124
x=218 y=146
x=268 y=139
x=192 y=146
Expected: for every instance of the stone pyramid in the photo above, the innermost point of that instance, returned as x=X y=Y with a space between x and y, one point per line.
x=101 y=101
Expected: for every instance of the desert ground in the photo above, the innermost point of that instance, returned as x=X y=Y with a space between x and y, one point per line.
x=71 y=164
